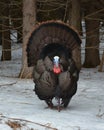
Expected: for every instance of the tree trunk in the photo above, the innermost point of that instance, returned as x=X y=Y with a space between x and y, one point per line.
x=92 y=58
x=76 y=23
x=29 y=18
x=0 y=32
x=76 y=14
x=101 y=63
x=6 y=42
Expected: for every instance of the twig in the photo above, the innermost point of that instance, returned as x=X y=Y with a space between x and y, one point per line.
x=49 y=127
x=66 y=8
x=100 y=113
x=94 y=13
x=8 y=84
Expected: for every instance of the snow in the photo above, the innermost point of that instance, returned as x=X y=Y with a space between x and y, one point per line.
x=20 y=108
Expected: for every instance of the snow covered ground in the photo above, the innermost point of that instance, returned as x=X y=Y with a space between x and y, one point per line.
x=20 y=109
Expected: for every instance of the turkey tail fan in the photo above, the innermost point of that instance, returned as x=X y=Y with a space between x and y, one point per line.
x=47 y=33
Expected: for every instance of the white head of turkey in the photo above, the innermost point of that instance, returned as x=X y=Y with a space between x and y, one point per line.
x=56 y=65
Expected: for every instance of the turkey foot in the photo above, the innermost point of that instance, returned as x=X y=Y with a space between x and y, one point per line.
x=65 y=102
x=49 y=103
x=56 y=108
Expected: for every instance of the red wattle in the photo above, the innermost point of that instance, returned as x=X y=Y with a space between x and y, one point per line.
x=56 y=70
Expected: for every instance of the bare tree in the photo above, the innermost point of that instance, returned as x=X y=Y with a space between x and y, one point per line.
x=29 y=18
x=6 y=43
x=76 y=23
x=92 y=58
x=16 y=17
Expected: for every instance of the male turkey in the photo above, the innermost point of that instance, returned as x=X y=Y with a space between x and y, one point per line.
x=55 y=73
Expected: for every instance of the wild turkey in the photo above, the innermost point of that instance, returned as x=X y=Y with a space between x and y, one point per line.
x=55 y=73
